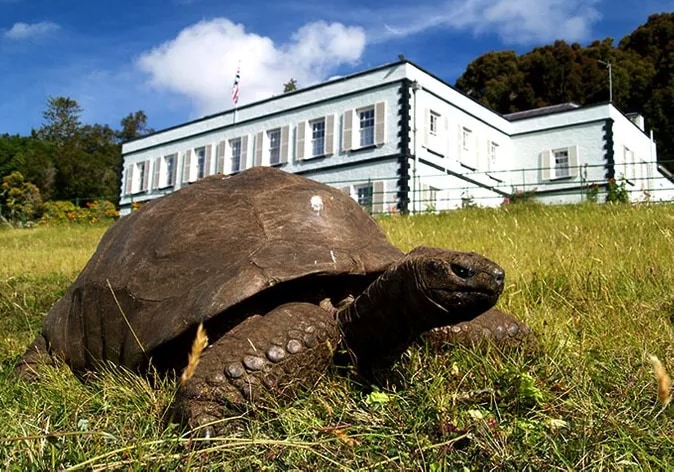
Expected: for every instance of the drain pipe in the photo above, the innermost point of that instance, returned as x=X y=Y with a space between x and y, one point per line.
x=416 y=86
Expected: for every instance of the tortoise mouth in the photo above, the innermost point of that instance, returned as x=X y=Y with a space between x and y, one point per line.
x=462 y=304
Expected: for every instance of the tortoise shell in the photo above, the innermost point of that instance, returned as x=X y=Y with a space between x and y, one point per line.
x=201 y=253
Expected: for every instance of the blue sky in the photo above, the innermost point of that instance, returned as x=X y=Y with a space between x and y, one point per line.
x=176 y=59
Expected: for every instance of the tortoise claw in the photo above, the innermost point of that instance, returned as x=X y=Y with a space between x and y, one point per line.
x=500 y=328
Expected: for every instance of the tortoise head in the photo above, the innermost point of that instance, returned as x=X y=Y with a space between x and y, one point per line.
x=460 y=285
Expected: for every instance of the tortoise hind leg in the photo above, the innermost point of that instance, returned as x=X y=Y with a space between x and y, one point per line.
x=264 y=357
x=34 y=359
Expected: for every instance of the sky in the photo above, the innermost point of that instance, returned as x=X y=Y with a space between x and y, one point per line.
x=176 y=59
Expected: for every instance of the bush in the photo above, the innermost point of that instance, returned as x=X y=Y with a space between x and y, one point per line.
x=20 y=201
x=58 y=212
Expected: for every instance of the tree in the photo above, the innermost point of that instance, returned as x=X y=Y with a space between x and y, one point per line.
x=134 y=125
x=62 y=120
x=290 y=86
x=20 y=201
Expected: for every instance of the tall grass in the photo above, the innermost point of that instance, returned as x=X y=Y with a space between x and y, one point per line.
x=594 y=282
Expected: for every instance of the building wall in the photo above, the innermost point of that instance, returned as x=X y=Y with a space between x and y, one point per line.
x=459 y=151
x=143 y=157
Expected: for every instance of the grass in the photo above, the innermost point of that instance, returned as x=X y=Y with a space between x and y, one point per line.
x=595 y=282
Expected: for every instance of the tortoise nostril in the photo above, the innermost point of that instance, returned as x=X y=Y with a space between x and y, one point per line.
x=499 y=276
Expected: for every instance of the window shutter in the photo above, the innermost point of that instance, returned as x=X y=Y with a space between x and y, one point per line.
x=347 y=130
x=146 y=176
x=128 y=183
x=207 y=160
x=155 y=173
x=427 y=127
x=285 y=132
x=299 y=145
x=380 y=123
x=187 y=166
x=445 y=136
x=329 y=135
x=573 y=161
x=459 y=142
x=378 y=196
x=258 y=148
x=546 y=160
x=220 y=159
x=244 y=152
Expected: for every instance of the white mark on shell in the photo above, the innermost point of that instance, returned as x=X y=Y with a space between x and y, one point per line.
x=316 y=203
x=332 y=256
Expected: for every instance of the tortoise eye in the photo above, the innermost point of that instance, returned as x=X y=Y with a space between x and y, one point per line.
x=463 y=271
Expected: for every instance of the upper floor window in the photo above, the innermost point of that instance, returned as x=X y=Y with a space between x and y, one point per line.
x=201 y=162
x=366 y=126
x=318 y=137
x=465 y=139
x=170 y=166
x=274 y=146
x=235 y=145
x=493 y=151
x=433 y=123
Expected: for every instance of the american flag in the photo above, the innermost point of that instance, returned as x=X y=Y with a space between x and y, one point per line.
x=235 y=87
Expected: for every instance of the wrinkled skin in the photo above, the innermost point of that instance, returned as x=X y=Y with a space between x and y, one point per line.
x=293 y=345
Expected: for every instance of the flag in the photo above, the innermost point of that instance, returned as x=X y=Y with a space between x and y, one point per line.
x=235 y=87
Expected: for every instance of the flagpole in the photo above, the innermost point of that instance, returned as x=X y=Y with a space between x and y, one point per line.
x=235 y=90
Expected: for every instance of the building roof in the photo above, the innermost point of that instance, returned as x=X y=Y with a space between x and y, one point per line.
x=520 y=115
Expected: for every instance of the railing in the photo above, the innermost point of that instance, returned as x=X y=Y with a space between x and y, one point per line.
x=640 y=182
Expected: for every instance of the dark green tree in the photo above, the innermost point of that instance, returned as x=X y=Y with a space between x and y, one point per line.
x=62 y=120
x=134 y=125
x=290 y=86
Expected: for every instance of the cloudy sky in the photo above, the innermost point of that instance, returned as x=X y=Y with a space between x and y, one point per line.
x=176 y=59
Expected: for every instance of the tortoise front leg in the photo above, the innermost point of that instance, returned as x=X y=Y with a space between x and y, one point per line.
x=496 y=326
x=264 y=356
x=34 y=359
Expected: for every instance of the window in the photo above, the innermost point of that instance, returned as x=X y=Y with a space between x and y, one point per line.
x=433 y=123
x=170 y=166
x=141 y=172
x=493 y=151
x=561 y=162
x=201 y=162
x=366 y=126
x=235 y=145
x=364 y=196
x=465 y=139
x=274 y=146
x=318 y=137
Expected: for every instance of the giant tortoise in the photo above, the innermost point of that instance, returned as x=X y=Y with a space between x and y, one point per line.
x=280 y=270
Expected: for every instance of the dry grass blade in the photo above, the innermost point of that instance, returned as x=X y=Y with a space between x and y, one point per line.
x=199 y=344
x=664 y=381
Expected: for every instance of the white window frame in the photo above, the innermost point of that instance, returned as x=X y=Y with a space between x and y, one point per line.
x=235 y=154
x=317 y=128
x=561 y=163
x=168 y=175
x=274 y=138
x=493 y=152
x=433 y=122
x=466 y=135
x=366 y=125
x=200 y=161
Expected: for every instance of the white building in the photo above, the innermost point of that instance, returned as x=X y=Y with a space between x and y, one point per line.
x=399 y=139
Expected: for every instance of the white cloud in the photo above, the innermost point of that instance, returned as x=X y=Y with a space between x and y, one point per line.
x=30 y=30
x=201 y=61
x=514 y=21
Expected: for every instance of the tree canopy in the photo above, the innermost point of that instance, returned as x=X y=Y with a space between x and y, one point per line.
x=65 y=159
x=642 y=70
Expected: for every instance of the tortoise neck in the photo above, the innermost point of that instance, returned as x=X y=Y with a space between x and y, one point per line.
x=381 y=323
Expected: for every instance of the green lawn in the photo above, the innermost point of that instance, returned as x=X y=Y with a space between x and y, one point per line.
x=596 y=283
